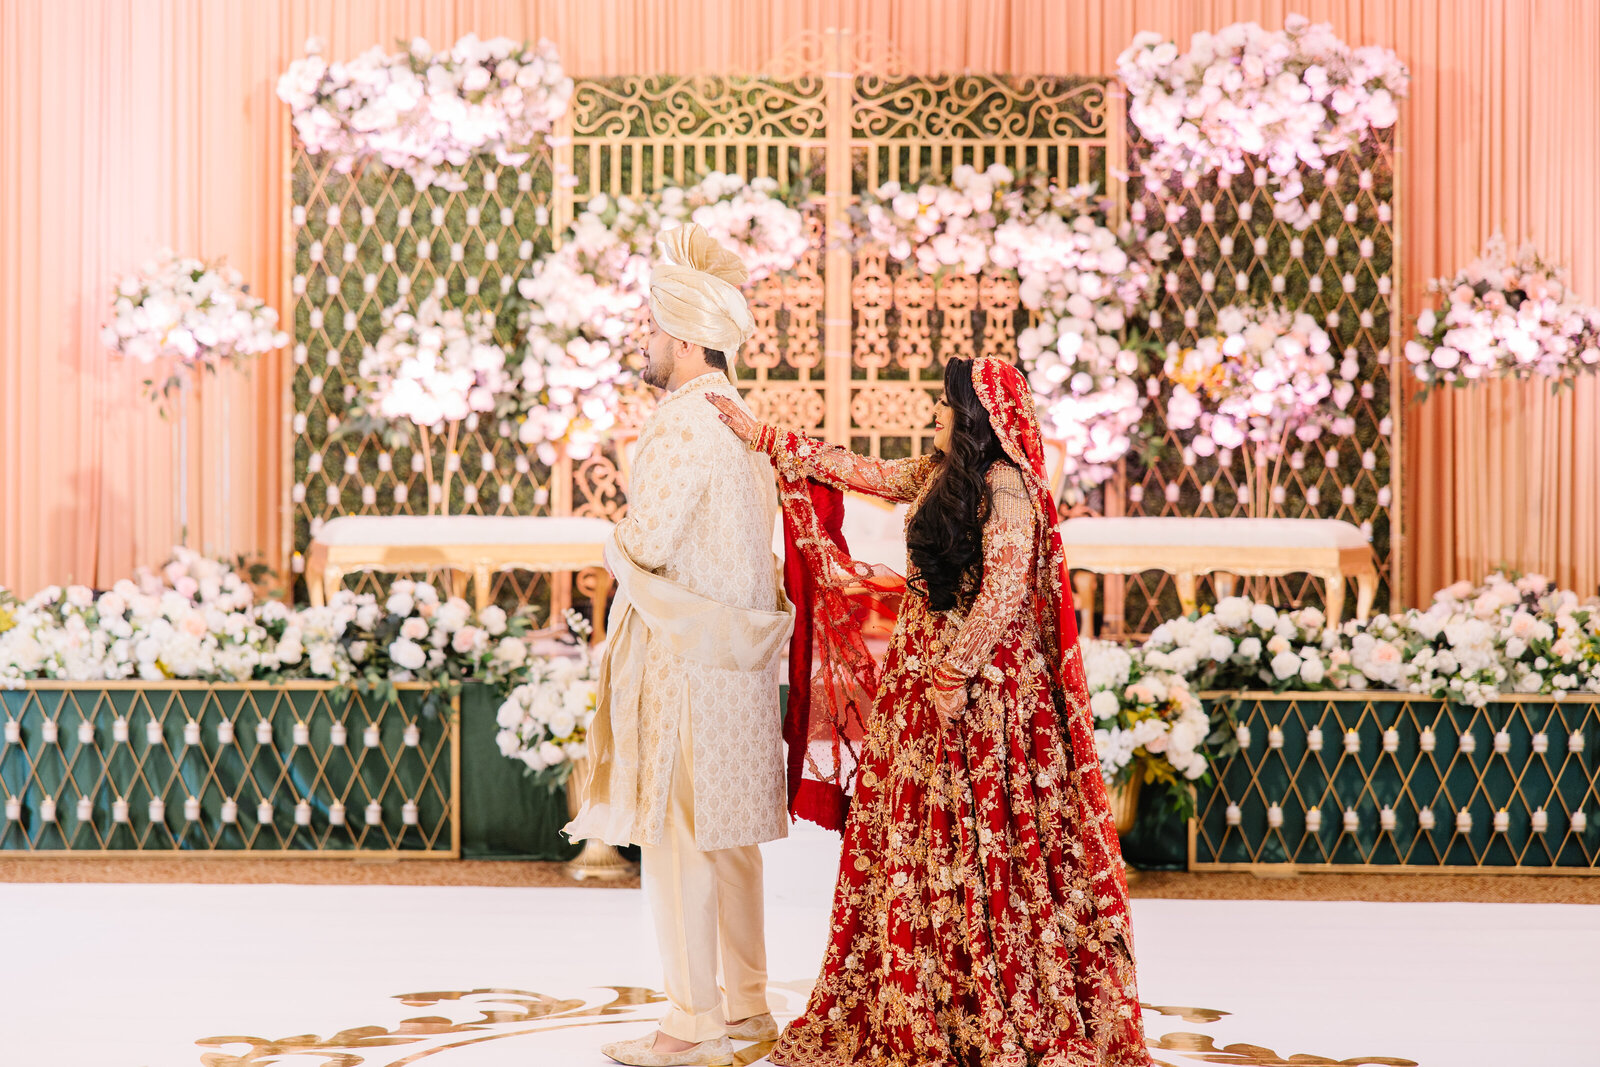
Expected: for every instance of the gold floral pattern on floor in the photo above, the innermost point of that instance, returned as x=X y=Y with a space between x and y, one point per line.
x=503 y=1014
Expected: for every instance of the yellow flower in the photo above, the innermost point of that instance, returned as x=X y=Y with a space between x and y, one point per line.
x=7 y=620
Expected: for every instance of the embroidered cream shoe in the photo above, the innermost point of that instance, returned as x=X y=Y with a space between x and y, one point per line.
x=641 y=1052
x=755 y=1028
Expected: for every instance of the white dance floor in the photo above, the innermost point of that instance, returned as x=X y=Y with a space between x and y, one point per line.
x=170 y=975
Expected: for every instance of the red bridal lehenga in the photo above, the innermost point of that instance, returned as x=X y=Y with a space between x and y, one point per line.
x=981 y=913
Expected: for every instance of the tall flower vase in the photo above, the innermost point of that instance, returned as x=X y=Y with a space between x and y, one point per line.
x=1124 y=798
x=597 y=861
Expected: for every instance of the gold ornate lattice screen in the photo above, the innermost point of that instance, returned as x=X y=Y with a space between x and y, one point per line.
x=851 y=345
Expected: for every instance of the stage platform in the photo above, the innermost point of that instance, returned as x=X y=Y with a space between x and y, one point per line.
x=172 y=975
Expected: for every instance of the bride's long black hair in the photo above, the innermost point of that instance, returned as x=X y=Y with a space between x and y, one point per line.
x=945 y=536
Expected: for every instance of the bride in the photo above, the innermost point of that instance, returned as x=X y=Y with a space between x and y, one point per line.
x=981 y=915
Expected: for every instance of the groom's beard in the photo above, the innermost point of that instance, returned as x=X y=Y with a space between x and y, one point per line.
x=657 y=374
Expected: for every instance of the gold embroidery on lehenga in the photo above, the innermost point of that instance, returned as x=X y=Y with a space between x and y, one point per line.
x=967 y=928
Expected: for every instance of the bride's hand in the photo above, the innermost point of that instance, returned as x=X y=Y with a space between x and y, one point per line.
x=948 y=704
x=871 y=573
x=734 y=417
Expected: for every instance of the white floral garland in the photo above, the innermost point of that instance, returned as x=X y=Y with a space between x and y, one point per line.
x=1263 y=374
x=199 y=314
x=198 y=618
x=1086 y=281
x=587 y=300
x=428 y=113
x=1288 y=99
x=1505 y=318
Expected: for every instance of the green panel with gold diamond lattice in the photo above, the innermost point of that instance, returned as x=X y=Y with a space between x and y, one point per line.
x=131 y=767
x=1343 y=271
x=361 y=243
x=1316 y=781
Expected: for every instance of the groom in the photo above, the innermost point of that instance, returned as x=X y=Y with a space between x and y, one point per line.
x=686 y=745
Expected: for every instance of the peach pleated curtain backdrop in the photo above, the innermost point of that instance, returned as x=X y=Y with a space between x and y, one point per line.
x=127 y=125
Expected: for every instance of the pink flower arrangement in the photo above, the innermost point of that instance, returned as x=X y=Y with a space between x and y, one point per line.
x=427 y=113
x=1505 y=318
x=1245 y=96
x=432 y=366
x=1263 y=374
x=199 y=314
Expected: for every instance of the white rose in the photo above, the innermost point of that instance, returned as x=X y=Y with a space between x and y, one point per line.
x=1104 y=705
x=533 y=761
x=508 y=742
x=1312 y=670
x=400 y=604
x=1232 y=612
x=1285 y=665
x=551 y=753
x=1264 y=616
x=322 y=661
x=1250 y=649
x=512 y=652
x=562 y=723
x=414 y=629
x=358 y=651
x=510 y=713
x=408 y=654
x=493 y=619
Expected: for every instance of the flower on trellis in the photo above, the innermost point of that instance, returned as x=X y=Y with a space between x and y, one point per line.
x=1262 y=375
x=1505 y=318
x=1286 y=100
x=587 y=300
x=1085 y=355
x=427 y=113
x=432 y=366
x=199 y=314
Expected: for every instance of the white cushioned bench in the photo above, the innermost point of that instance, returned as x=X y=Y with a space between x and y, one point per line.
x=475 y=546
x=1185 y=548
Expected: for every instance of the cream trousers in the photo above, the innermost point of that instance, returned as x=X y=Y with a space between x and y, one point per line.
x=703 y=902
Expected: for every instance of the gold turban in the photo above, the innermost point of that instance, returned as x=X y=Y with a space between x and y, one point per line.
x=694 y=291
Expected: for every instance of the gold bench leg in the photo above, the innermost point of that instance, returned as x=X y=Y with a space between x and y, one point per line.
x=1083 y=589
x=482 y=580
x=1185 y=582
x=1366 y=593
x=1333 y=598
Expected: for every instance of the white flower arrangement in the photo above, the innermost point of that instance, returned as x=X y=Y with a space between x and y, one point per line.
x=1245 y=95
x=1148 y=722
x=587 y=301
x=432 y=366
x=196 y=313
x=1086 y=281
x=1505 y=318
x=1263 y=374
x=544 y=722
x=199 y=619
x=428 y=113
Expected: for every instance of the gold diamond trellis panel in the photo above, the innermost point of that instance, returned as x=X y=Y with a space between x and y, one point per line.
x=1344 y=271
x=361 y=242
x=1385 y=781
x=299 y=769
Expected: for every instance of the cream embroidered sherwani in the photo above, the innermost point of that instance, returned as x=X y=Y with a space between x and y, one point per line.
x=687 y=747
